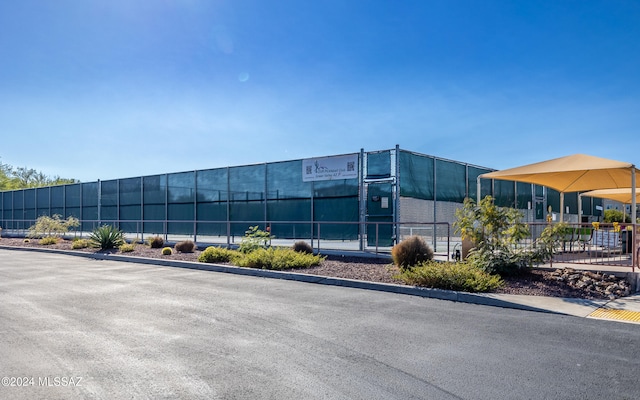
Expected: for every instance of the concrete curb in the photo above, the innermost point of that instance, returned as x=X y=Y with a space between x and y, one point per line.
x=492 y=300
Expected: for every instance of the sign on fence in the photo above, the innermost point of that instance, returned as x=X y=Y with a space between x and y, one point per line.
x=605 y=239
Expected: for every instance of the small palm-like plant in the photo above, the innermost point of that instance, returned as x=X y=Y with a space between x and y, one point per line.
x=106 y=237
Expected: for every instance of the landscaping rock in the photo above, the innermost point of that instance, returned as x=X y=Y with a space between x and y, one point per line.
x=606 y=285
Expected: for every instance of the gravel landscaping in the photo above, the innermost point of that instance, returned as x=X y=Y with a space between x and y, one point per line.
x=537 y=282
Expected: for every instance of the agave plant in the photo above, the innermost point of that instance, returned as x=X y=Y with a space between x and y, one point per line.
x=106 y=237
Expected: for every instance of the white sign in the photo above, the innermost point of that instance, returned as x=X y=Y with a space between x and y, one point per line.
x=329 y=168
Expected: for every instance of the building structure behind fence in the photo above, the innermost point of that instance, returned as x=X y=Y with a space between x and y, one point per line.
x=356 y=201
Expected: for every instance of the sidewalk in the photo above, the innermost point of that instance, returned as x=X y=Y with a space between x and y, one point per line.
x=625 y=309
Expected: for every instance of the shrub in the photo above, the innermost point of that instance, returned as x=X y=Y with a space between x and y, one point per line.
x=214 y=254
x=79 y=244
x=613 y=215
x=106 y=237
x=461 y=276
x=167 y=251
x=49 y=240
x=302 y=247
x=52 y=226
x=127 y=247
x=156 y=242
x=186 y=246
x=496 y=232
x=410 y=252
x=278 y=258
x=254 y=239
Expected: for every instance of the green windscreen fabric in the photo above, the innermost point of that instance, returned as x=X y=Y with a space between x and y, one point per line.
x=571 y=201
x=284 y=181
x=339 y=210
x=72 y=201
x=293 y=211
x=587 y=205
x=247 y=198
x=18 y=209
x=524 y=193
x=504 y=193
x=130 y=192
x=553 y=200
x=336 y=201
x=109 y=201
x=247 y=183
x=57 y=200
x=89 y=200
x=289 y=199
x=378 y=165
x=211 y=208
x=212 y=185
x=485 y=184
x=29 y=210
x=7 y=210
x=181 y=203
x=43 y=201
x=451 y=182
x=416 y=176
x=154 y=198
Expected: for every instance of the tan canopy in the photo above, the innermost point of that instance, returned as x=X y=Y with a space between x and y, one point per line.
x=575 y=173
x=622 y=195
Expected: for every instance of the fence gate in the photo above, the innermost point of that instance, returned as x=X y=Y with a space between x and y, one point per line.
x=380 y=208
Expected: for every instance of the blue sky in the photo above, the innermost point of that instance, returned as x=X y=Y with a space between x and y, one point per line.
x=103 y=89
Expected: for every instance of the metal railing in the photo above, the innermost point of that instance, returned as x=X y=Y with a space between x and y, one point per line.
x=335 y=236
x=607 y=245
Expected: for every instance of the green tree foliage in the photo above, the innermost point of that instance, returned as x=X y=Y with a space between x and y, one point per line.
x=254 y=239
x=615 y=216
x=21 y=178
x=497 y=232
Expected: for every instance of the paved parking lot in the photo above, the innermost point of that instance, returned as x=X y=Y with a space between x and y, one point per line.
x=79 y=328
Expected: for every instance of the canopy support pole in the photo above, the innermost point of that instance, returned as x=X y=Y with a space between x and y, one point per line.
x=579 y=209
x=561 y=206
x=634 y=256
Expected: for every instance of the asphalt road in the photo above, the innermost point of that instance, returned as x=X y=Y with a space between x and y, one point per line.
x=71 y=327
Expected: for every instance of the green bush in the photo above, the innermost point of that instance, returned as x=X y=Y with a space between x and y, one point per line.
x=156 y=242
x=127 y=247
x=496 y=233
x=106 y=237
x=254 y=239
x=47 y=240
x=613 y=215
x=461 y=276
x=302 y=247
x=167 y=251
x=411 y=251
x=214 y=254
x=79 y=244
x=278 y=258
x=186 y=246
